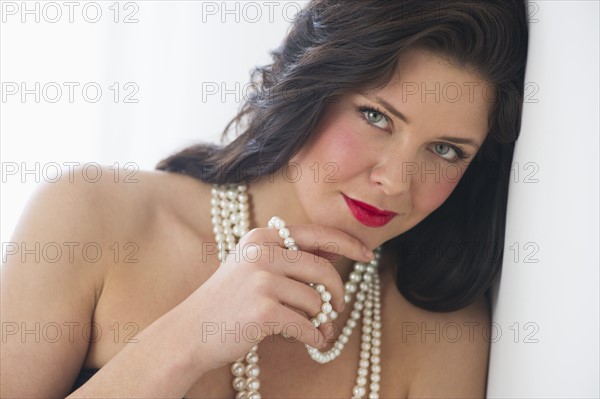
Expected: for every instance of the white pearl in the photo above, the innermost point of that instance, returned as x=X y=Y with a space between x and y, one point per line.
x=239 y=383
x=284 y=233
x=242 y=395
x=326 y=307
x=253 y=384
x=362 y=371
x=374 y=386
x=350 y=287
x=373 y=395
x=237 y=369
x=362 y=381
x=254 y=395
x=322 y=317
x=288 y=241
x=359 y=391
x=325 y=296
x=252 y=370
x=333 y=315
x=343 y=339
x=320 y=288
x=252 y=358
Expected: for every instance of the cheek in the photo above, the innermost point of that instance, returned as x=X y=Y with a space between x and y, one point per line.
x=333 y=153
x=432 y=194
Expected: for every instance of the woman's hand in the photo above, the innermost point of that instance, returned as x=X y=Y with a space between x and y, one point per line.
x=262 y=289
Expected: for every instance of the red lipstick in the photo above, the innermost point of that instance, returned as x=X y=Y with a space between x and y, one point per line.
x=368 y=214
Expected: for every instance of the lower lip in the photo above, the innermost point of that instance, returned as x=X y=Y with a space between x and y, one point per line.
x=366 y=217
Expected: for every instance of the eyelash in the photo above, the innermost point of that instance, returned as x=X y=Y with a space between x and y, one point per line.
x=460 y=152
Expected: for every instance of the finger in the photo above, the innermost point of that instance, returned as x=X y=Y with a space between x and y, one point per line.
x=299 y=296
x=295 y=326
x=328 y=242
x=306 y=269
x=321 y=240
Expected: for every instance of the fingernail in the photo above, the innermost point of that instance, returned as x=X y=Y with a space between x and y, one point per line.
x=368 y=253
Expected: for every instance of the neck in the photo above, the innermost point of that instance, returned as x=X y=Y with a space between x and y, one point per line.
x=271 y=196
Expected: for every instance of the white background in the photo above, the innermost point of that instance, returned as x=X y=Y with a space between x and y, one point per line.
x=189 y=60
x=171 y=56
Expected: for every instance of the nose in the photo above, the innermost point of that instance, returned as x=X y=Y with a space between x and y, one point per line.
x=392 y=174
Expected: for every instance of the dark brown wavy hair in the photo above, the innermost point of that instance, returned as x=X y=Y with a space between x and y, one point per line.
x=338 y=47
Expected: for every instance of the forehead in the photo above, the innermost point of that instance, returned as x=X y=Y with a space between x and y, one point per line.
x=437 y=96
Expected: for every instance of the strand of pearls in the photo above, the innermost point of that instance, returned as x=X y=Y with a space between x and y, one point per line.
x=229 y=216
x=230 y=219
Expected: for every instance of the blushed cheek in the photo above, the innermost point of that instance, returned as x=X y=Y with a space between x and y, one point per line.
x=434 y=194
x=335 y=152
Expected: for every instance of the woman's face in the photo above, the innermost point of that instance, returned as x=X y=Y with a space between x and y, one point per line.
x=401 y=149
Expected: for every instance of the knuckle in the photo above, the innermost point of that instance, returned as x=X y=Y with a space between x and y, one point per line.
x=262 y=282
x=265 y=311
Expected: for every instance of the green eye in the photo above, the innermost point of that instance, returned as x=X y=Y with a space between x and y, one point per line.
x=374 y=116
x=450 y=152
x=442 y=148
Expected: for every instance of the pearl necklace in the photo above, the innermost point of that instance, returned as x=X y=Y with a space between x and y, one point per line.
x=230 y=219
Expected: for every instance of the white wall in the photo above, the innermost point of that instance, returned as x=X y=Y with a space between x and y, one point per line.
x=546 y=314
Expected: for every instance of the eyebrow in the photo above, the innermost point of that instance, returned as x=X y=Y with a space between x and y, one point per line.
x=394 y=111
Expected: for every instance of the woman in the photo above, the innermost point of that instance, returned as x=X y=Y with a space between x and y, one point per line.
x=381 y=136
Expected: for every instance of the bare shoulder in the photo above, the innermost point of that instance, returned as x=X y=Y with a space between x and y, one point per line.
x=453 y=358
x=56 y=262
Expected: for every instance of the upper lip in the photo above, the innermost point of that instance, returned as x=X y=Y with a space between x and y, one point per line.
x=371 y=208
